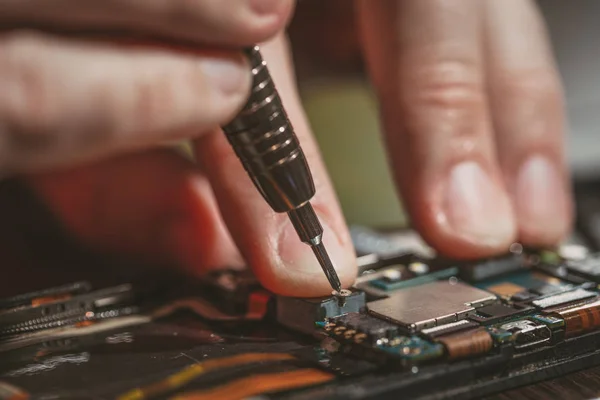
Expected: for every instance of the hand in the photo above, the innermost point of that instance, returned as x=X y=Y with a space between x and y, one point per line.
x=473 y=113
x=73 y=100
x=98 y=109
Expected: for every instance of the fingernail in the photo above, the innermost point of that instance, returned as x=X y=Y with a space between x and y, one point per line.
x=228 y=75
x=477 y=208
x=300 y=263
x=265 y=7
x=541 y=198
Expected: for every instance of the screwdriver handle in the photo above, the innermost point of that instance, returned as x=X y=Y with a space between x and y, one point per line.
x=264 y=140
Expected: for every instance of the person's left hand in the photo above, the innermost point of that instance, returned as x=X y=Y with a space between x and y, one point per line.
x=474 y=120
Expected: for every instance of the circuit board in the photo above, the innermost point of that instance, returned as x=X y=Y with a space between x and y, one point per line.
x=414 y=326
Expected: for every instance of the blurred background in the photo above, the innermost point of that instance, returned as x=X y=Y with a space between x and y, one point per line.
x=339 y=102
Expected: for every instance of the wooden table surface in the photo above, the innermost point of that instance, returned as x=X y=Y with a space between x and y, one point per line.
x=582 y=385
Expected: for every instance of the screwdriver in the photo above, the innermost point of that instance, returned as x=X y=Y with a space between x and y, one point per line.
x=264 y=141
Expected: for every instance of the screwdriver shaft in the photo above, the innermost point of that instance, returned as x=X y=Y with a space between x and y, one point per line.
x=327 y=266
x=263 y=138
x=310 y=231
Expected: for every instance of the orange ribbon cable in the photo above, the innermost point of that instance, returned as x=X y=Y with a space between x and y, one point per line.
x=258 y=384
x=10 y=392
x=188 y=374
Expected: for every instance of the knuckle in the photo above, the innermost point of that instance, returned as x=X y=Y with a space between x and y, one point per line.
x=447 y=98
x=450 y=86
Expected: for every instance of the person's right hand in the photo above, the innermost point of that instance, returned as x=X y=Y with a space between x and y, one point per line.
x=99 y=109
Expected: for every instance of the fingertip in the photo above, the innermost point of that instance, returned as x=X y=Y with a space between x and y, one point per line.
x=293 y=269
x=230 y=78
x=469 y=216
x=543 y=203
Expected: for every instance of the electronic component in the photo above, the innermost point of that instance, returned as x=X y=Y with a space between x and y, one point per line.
x=493 y=267
x=588 y=212
x=405 y=277
x=301 y=314
x=67 y=320
x=45 y=295
x=386 y=244
x=551 y=321
x=588 y=268
x=367 y=264
x=495 y=313
x=446 y=329
x=524 y=286
x=524 y=334
x=361 y=328
x=579 y=319
x=431 y=304
x=506 y=289
x=574 y=251
x=467 y=344
x=523 y=297
x=431 y=337
x=564 y=298
x=57 y=310
x=412 y=349
x=380 y=339
x=400 y=270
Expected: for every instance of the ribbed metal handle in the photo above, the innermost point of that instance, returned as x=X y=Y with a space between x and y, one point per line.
x=264 y=140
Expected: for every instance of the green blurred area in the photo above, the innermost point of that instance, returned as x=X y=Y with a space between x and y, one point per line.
x=345 y=121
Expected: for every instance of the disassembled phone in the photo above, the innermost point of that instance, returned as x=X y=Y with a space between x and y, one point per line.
x=414 y=326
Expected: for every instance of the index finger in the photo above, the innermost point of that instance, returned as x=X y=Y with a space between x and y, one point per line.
x=231 y=22
x=267 y=240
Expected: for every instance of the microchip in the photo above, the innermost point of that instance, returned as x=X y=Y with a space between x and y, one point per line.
x=431 y=304
x=564 y=298
x=495 y=313
x=526 y=285
x=492 y=267
x=506 y=289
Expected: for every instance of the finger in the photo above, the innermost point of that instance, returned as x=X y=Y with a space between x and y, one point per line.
x=154 y=205
x=267 y=240
x=234 y=22
x=426 y=63
x=63 y=101
x=528 y=114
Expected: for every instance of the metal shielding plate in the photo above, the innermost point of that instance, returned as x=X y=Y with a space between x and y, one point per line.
x=431 y=304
